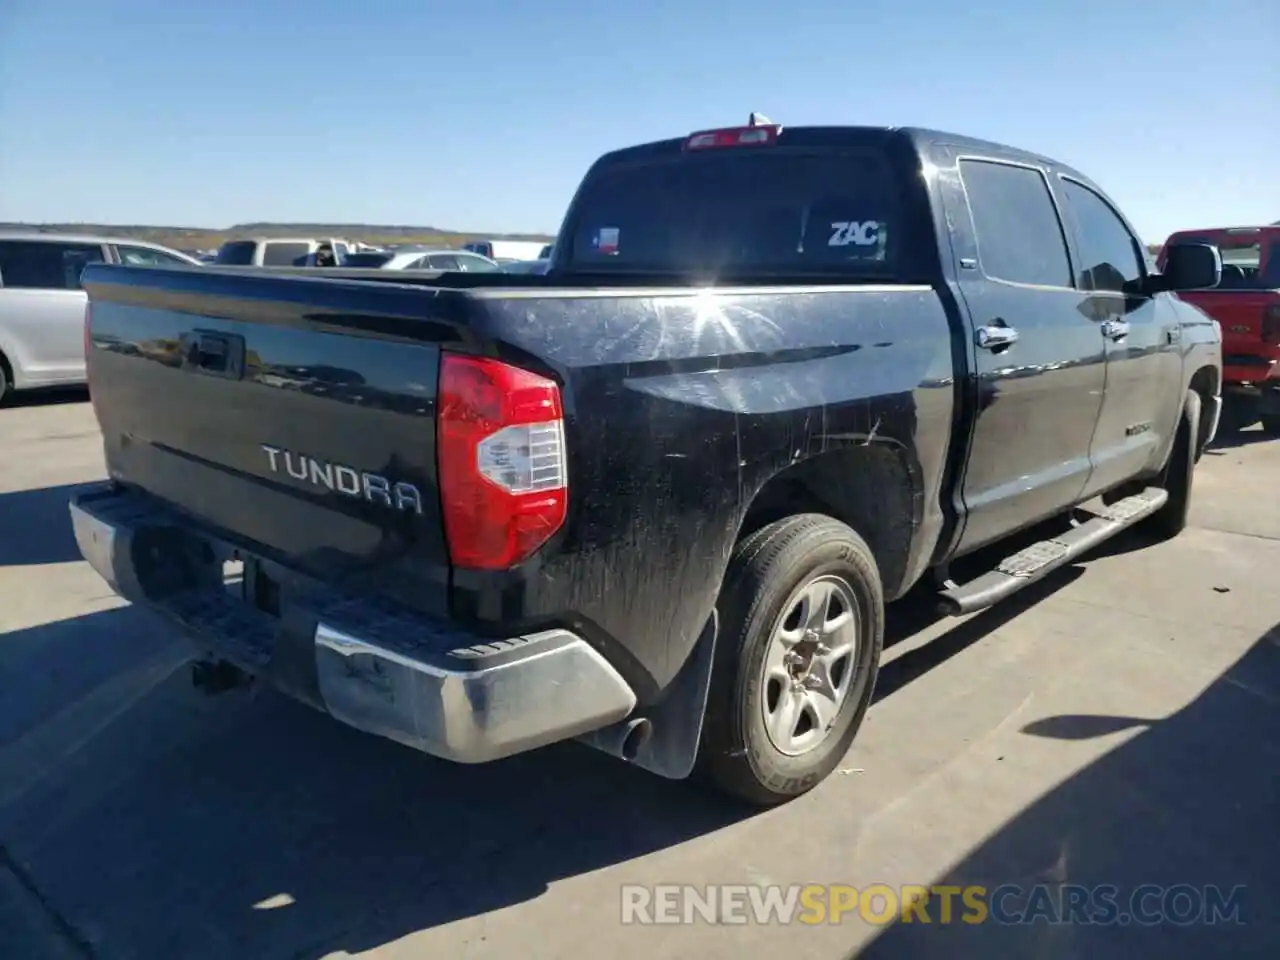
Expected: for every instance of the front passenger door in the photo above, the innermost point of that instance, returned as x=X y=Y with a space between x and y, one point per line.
x=1141 y=335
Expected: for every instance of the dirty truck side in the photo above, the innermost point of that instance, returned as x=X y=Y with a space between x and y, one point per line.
x=658 y=498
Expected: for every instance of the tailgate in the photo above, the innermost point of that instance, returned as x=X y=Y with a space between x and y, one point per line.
x=1250 y=320
x=294 y=416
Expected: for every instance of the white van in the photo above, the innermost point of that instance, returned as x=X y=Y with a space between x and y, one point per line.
x=501 y=250
x=278 y=251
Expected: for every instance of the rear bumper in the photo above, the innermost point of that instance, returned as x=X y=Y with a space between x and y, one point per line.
x=1246 y=371
x=387 y=671
x=1263 y=396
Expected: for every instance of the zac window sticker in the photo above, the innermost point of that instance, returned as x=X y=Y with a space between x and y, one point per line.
x=859 y=233
x=868 y=237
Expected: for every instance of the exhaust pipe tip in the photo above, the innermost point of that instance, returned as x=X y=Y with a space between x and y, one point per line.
x=633 y=741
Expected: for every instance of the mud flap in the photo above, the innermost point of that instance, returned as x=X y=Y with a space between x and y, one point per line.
x=663 y=739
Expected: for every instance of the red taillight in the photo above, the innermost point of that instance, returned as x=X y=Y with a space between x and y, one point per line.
x=1271 y=325
x=501 y=461
x=761 y=136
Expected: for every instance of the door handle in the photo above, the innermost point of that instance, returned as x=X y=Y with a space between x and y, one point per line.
x=1115 y=329
x=995 y=336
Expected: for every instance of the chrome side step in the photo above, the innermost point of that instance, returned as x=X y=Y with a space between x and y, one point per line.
x=1040 y=559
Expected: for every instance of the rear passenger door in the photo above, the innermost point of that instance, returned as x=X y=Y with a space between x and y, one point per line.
x=42 y=307
x=1141 y=336
x=1038 y=362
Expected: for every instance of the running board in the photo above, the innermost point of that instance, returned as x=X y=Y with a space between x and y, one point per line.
x=1036 y=561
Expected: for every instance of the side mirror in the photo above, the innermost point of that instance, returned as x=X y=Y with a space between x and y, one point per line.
x=1191 y=266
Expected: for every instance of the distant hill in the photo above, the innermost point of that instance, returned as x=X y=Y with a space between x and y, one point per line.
x=199 y=238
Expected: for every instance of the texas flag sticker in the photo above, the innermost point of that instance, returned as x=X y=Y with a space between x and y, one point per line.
x=607 y=240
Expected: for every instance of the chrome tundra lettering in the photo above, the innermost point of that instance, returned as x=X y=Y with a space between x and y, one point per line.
x=345 y=480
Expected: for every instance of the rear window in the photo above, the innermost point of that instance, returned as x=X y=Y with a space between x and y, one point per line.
x=771 y=212
x=1250 y=261
x=236 y=253
x=284 y=254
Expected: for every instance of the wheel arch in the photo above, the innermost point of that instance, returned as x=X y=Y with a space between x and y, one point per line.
x=875 y=488
x=1206 y=382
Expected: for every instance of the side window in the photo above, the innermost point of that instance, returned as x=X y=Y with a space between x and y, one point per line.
x=476 y=264
x=444 y=261
x=237 y=253
x=146 y=257
x=285 y=254
x=1020 y=237
x=1108 y=251
x=45 y=265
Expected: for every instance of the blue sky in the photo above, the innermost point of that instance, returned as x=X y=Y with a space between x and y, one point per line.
x=484 y=115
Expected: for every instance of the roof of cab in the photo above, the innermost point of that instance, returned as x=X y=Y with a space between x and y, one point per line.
x=1264 y=228
x=49 y=236
x=920 y=138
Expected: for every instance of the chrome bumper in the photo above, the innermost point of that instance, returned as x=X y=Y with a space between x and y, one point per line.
x=419 y=682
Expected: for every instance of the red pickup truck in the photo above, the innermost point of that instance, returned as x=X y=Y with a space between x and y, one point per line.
x=1246 y=304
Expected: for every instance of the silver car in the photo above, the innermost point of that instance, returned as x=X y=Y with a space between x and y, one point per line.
x=423 y=259
x=536 y=267
x=42 y=303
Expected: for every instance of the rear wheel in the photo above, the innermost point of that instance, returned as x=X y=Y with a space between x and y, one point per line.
x=1176 y=477
x=802 y=627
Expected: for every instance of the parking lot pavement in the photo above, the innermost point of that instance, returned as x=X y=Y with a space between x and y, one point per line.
x=1117 y=725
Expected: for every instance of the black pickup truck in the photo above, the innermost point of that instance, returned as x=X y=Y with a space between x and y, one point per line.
x=656 y=499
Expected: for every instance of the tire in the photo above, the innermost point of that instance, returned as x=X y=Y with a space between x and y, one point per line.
x=6 y=389
x=1178 y=473
x=769 y=576
x=1271 y=424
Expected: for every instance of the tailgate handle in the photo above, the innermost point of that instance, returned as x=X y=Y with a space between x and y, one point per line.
x=215 y=354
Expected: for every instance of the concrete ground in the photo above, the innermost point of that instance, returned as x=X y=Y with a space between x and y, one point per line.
x=1117 y=725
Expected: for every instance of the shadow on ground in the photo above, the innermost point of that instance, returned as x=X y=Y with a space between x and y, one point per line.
x=48 y=397
x=162 y=823
x=170 y=824
x=249 y=825
x=35 y=527
x=1193 y=799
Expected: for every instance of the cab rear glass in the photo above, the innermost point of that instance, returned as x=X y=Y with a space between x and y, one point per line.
x=765 y=211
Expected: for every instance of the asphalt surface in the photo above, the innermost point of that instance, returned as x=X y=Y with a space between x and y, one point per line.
x=1118 y=724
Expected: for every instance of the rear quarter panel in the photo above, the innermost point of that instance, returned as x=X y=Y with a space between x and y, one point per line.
x=681 y=406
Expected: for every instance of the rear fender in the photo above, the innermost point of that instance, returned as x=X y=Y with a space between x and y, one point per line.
x=875 y=486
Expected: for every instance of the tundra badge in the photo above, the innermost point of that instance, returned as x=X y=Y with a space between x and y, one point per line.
x=347 y=481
